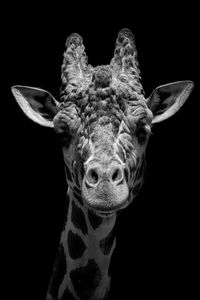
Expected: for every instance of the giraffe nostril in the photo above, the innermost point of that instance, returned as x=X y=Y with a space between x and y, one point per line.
x=96 y=174
x=117 y=175
x=92 y=177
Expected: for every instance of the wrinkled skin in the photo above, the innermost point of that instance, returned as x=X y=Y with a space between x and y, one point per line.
x=103 y=120
x=108 y=146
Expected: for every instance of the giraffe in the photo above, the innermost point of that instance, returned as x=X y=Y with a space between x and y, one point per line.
x=103 y=121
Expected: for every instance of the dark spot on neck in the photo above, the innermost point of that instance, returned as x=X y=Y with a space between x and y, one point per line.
x=76 y=245
x=106 y=243
x=78 y=218
x=59 y=271
x=86 y=279
x=94 y=220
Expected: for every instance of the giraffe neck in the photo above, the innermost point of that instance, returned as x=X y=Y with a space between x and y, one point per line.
x=82 y=266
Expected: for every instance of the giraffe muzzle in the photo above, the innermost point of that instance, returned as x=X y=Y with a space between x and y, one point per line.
x=105 y=188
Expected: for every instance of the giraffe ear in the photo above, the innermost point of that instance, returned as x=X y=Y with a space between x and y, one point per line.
x=167 y=99
x=37 y=104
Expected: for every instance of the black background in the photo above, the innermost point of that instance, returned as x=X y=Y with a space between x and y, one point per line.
x=156 y=253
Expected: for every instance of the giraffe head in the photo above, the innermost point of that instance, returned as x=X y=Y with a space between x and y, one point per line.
x=103 y=120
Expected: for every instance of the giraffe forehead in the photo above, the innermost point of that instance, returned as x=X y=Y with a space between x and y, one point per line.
x=103 y=134
x=102 y=141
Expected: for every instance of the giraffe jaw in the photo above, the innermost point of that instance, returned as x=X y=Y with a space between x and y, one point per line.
x=106 y=197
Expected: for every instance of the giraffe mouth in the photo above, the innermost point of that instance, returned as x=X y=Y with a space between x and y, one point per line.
x=106 y=197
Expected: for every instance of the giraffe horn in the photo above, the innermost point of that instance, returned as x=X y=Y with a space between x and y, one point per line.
x=125 y=62
x=74 y=65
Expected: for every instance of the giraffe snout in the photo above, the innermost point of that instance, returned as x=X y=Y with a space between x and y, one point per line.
x=97 y=174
